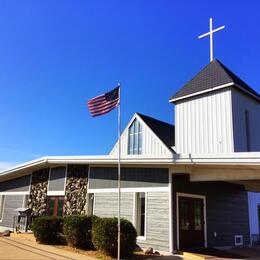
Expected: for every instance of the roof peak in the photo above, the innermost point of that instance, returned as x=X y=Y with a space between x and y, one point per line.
x=213 y=75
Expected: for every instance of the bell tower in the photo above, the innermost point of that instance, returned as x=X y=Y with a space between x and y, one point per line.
x=216 y=112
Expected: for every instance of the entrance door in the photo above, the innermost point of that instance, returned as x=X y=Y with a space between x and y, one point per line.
x=191 y=222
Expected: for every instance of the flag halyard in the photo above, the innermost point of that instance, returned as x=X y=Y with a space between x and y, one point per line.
x=104 y=103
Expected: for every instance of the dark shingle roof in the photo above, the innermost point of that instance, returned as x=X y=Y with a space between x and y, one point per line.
x=163 y=130
x=213 y=75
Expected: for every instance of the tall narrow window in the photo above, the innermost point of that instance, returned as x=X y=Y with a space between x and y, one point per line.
x=247 y=123
x=90 y=203
x=2 y=199
x=140 y=213
x=135 y=138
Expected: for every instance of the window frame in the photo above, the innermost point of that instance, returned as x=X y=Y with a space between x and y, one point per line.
x=55 y=206
x=57 y=192
x=2 y=207
x=139 y=237
x=247 y=130
x=135 y=135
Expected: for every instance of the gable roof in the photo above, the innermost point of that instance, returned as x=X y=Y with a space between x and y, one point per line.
x=215 y=74
x=163 y=130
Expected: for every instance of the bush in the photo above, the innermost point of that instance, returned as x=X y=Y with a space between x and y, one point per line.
x=47 y=230
x=77 y=231
x=104 y=236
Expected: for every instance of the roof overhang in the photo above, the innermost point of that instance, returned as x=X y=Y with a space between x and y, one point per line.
x=242 y=161
x=231 y=84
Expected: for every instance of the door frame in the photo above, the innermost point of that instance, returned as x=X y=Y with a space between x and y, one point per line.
x=188 y=195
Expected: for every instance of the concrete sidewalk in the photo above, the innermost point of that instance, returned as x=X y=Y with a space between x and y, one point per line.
x=22 y=249
x=26 y=248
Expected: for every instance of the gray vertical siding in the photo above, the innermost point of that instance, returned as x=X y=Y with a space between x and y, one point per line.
x=157 y=227
x=11 y=203
x=105 y=205
x=226 y=210
x=16 y=185
x=157 y=221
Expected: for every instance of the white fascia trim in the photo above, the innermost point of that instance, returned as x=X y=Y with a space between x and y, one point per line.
x=144 y=189
x=56 y=193
x=14 y=193
x=202 y=92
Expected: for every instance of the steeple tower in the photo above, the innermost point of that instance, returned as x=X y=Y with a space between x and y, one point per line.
x=216 y=112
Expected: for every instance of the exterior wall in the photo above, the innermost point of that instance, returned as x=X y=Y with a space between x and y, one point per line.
x=253 y=204
x=226 y=210
x=20 y=184
x=241 y=103
x=38 y=194
x=157 y=215
x=11 y=203
x=204 y=124
x=152 y=145
x=106 y=205
x=105 y=178
x=76 y=189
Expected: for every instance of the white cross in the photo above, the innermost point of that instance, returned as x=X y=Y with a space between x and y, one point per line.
x=210 y=33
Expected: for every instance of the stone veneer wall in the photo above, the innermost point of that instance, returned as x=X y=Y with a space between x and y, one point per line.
x=76 y=190
x=38 y=193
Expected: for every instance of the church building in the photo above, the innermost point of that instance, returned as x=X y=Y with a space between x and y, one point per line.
x=183 y=186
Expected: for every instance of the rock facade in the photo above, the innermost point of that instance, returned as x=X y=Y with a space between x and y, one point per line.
x=75 y=200
x=38 y=194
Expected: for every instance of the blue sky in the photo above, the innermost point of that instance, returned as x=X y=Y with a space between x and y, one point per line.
x=55 y=55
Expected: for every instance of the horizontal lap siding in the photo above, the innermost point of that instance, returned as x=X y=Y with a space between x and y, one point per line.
x=106 y=205
x=11 y=203
x=157 y=228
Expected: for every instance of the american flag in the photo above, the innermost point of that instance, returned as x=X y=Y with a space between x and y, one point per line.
x=104 y=103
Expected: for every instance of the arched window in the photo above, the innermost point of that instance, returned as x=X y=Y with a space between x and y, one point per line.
x=135 y=138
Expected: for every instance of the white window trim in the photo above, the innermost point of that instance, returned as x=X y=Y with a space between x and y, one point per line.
x=141 y=189
x=14 y=193
x=2 y=215
x=58 y=192
x=138 y=133
x=178 y=194
x=140 y=238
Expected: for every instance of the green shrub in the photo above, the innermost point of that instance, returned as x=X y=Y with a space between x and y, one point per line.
x=47 y=230
x=104 y=236
x=77 y=231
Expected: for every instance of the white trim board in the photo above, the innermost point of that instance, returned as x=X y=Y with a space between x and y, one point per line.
x=141 y=189
x=14 y=193
x=56 y=193
x=188 y=195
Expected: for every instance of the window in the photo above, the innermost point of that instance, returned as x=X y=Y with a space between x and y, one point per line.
x=25 y=200
x=55 y=205
x=135 y=138
x=90 y=204
x=2 y=199
x=140 y=213
x=57 y=181
x=247 y=123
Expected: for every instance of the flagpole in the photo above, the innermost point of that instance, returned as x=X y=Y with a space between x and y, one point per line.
x=119 y=172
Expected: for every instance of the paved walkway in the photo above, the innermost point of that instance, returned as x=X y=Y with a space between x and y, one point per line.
x=22 y=249
x=15 y=248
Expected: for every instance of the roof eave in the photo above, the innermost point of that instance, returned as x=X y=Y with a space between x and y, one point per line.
x=173 y=100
